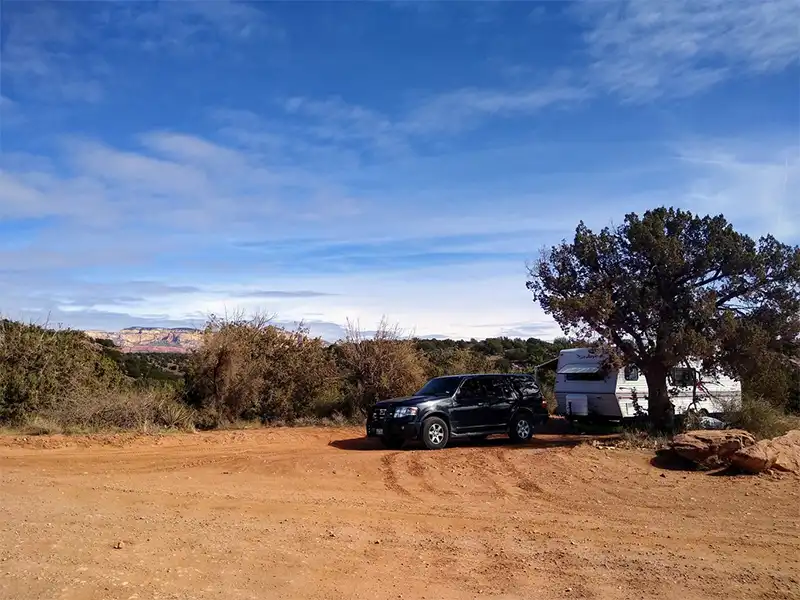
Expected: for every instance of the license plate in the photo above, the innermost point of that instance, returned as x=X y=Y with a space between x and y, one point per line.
x=379 y=431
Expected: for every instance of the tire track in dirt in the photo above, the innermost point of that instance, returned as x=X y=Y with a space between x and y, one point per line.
x=487 y=473
x=419 y=467
x=390 y=476
x=198 y=463
x=523 y=482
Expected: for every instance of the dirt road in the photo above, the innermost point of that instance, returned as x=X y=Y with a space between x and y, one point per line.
x=320 y=513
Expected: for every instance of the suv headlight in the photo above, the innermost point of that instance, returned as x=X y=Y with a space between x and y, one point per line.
x=405 y=411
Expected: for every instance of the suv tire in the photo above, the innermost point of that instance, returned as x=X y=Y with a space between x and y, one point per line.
x=392 y=443
x=521 y=428
x=435 y=433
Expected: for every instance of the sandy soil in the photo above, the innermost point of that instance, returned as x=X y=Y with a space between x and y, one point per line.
x=321 y=513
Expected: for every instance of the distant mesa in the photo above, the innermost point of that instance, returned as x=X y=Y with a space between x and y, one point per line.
x=152 y=339
x=178 y=329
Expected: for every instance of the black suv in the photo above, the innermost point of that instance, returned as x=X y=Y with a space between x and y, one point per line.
x=461 y=406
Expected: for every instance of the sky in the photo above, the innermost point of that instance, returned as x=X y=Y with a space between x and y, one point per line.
x=333 y=161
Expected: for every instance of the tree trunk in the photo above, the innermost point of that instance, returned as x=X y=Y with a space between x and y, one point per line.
x=659 y=407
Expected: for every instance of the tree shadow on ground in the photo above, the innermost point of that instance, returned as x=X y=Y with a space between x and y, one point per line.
x=670 y=461
x=499 y=441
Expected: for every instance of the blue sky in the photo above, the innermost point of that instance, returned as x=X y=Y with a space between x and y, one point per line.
x=328 y=161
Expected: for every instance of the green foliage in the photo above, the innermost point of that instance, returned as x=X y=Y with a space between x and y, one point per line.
x=249 y=369
x=670 y=285
x=761 y=417
x=61 y=380
x=42 y=368
x=147 y=367
x=384 y=366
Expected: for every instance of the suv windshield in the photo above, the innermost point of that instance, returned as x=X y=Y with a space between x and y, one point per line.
x=440 y=386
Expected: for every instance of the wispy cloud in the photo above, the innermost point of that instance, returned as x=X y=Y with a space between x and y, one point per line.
x=334 y=120
x=179 y=179
x=266 y=294
x=46 y=46
x=36 y=40
x=459 y=110
x=643 y=49
x=337 y=122
x=355 y=203
x=152 y=260
x=192 y=26
x=638 y=50
x=752 y=184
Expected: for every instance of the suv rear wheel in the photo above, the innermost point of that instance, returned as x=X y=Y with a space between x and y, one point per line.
x=521 y=428
x=435 y=433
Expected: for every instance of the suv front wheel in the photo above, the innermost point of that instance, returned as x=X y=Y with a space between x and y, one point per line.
x=521 y=428
x=435 y=433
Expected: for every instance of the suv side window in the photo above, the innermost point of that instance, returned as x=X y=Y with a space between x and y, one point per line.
x=498 y=389
x=528 y=387
x=471 y=390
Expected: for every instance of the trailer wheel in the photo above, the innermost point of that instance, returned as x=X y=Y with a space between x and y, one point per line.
x=521 y=428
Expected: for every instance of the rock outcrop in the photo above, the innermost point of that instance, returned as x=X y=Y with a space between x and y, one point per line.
x=711 y=447
x=781 y=454
x=152 y=339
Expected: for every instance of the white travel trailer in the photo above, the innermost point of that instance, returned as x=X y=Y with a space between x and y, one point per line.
x=584 y=389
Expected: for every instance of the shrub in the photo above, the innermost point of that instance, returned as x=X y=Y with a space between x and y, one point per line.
x=42 y=368
x=760 y=417
x=250 y=369
x=453 y=361
x=137 y=409
x=384 y=366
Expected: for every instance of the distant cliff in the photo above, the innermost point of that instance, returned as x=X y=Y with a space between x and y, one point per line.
x=152 y=339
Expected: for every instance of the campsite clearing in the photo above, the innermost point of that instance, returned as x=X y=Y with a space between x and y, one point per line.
x=323 y=513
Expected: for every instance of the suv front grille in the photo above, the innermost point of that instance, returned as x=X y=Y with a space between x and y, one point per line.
x=379 y=414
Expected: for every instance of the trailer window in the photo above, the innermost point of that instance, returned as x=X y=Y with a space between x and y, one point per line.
x=585 y=376
x=682 y=377
x=631 y=373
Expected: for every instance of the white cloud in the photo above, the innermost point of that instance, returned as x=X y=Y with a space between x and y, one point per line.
x=500 y=302
x=141 y=211
x=755 y=185
x=182 y=26
x=638 y=50
x=649 y=48
x=455 y=111
x=34 y=58
x=44 y=50
x=335 y=121
x=177 y=180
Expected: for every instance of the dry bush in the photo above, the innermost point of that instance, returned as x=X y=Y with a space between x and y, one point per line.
x=760 y=417
x=642 y=438
x=455 y=361
x=249 y=369
x=41 y=368
x=387 y=365
x=137 y=409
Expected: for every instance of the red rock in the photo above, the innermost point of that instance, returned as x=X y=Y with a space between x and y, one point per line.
x=781 y=454
x=711 y=447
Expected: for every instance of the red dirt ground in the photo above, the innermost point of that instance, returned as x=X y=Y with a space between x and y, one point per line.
x=322 y=513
